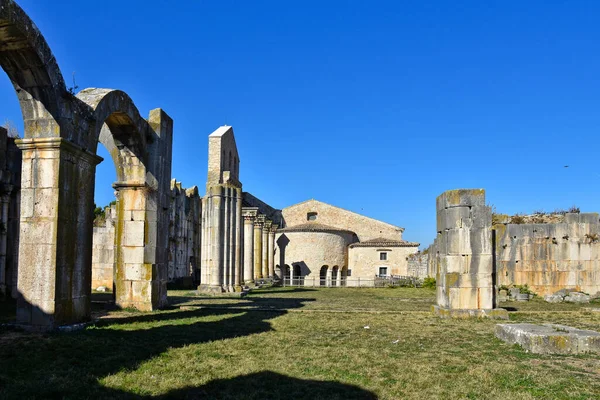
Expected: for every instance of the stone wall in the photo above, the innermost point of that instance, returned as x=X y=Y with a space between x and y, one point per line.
x=184 y=234
x=103 y=249
x=309 y=251
x=418 y=265
x=366 y=228
x=365 y=262
x=10 y=200
x=550 y=257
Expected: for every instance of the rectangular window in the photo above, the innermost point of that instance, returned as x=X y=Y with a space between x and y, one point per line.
x=383 y=256
x=382 y=271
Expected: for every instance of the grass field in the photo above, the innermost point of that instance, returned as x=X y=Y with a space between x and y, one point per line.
x=285 y=343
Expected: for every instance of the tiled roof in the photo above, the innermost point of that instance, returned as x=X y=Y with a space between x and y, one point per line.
x=313 y=227
x=383 y=242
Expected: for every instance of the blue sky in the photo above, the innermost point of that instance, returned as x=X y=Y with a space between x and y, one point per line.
x=373 y=106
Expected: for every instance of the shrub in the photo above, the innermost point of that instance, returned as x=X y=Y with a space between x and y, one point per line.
x=517 y=219
x=429 y=282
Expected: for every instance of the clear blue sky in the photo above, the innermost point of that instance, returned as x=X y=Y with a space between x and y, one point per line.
x=373 y=106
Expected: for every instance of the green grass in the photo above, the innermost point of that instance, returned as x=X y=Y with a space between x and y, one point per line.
x=284 y=343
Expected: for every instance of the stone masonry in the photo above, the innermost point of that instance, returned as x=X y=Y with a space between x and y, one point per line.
x=10 y=183
x=463 y=252
x=222 y=216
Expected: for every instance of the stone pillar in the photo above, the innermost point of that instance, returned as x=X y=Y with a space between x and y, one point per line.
x=338 y=279
x=4 y=200
x=463 y=246
x=249 y=218
x=137 y=280
x=55 y=248
x=271 y=250
x=258 y=245
x=212 y=240
x=329 y=276
x=265 y=248
x=291 y=275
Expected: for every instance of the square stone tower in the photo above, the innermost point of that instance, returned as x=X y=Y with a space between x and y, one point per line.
x=222 y=216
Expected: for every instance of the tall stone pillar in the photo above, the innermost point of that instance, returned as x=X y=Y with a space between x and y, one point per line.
x=463 y=247
x=258 y=246
x=55 y=248
x=221 y=266
x=265 y=248
x=338 y=278
x=4 y=200
x=248 y=240
x=271 y=250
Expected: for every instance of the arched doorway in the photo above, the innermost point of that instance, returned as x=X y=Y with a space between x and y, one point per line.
x=298 y=279
x=61 y=133
x=334 y=275
x=323 y=275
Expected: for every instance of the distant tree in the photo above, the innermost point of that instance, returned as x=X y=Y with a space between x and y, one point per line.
x=11 y=129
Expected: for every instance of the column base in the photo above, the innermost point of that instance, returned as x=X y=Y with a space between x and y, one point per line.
x=210 y=289
x=493 y=313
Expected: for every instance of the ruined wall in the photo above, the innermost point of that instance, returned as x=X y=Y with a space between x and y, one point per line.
x=185 y=213
x=103 y=249
x=417 y=265
x=550 y=257
x=10 y=201
x=366 y=228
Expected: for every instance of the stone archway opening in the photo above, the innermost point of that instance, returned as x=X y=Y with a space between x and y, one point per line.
x=61 y=133
x=323 y=275
x=334 y=275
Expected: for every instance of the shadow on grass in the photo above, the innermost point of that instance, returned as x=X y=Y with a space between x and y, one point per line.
x=271 y=385
x=70 y=365
x=280 y=290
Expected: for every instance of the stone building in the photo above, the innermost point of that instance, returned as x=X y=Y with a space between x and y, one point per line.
x=324 y=245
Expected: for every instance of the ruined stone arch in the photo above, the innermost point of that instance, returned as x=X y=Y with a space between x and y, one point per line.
x=117 y=124
x=62 y=132
x=46 y=104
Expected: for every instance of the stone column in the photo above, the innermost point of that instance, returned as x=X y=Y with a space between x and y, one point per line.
x=265 y=248
x=212 y=240
x=329 y=276
x=55 y=248
x=291 y=275
x=271 y=251
x=249 y=218
x=338 y=279
x=4 y=200
x=258 y=245
x=463 y=246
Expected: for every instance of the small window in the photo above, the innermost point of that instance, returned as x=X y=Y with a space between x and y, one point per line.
x=311 y=216
x=382 y=271
x=383 y=256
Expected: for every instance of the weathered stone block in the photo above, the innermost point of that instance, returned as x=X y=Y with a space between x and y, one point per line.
x=550 y=338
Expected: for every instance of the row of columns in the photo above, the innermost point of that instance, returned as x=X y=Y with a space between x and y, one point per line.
x=259 y=245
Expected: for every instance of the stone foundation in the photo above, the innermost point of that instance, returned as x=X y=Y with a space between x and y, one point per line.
x=550 y=338
x=496 y=313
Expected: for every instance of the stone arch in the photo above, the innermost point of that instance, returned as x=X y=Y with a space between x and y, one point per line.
x=25 y=56
x=323 y=275
x=334 y=275
x=58 y=173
